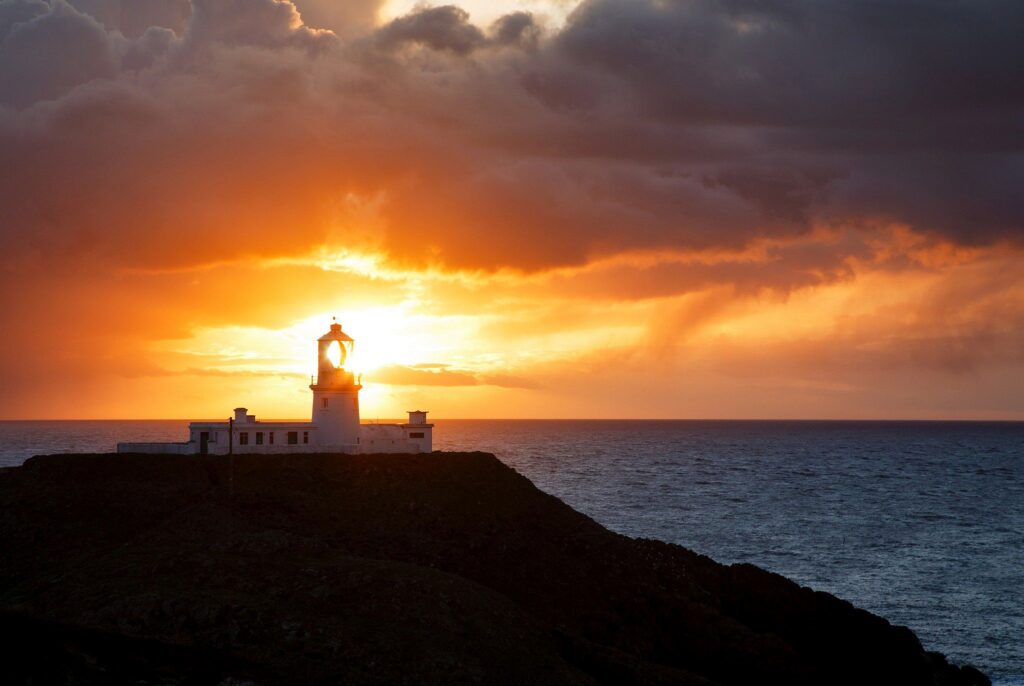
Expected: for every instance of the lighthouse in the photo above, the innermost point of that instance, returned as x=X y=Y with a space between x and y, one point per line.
x=334 y=425
x=335 y=392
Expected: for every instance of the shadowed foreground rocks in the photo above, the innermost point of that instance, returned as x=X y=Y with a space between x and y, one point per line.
x=394 y=569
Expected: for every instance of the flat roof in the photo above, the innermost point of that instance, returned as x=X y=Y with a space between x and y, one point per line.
x=257 y=424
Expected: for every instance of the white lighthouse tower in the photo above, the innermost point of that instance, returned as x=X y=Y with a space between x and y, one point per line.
x=335 y=393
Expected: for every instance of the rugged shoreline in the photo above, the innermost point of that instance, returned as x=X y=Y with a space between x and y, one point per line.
x=443 y=568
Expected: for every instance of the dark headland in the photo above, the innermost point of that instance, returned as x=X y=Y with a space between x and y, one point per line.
x=394 y=569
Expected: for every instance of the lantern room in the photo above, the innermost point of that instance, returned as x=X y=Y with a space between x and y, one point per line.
x=334 y=348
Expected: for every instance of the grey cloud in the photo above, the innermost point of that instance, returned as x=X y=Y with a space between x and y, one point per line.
x=789 y=113
x=516 y=28
x=249 y=22
x=789 y=63
x=786 y=195
x=344 y=17
x=133 y=17
x=142 y=52
x=20 y=11
x=640 y=124
x=448 y=29
x=915 y=108
x=439 y=28
x=47 y=50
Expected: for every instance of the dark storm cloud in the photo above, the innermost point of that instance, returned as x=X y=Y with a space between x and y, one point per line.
x=438 y=28
x=46 y=51
x=638 y=125
x=915 y=108
x=516 y=28
x=448 y=28
x=798 y=63
x=133 y=17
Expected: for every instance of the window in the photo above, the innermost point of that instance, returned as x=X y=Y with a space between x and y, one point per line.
x=259 y=438
x=416 y=434
x=293 y=438
x=271 y=436
x=243 y=438
x=305 y=437
x=323 y=403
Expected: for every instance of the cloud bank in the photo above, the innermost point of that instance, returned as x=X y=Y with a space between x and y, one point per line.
x=757 y=147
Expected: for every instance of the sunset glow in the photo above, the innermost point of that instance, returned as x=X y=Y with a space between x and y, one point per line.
x=514 y=211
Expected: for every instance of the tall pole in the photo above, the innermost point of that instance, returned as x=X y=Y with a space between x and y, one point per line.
x=231 y=457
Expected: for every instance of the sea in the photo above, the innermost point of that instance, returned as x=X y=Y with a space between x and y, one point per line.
x=919 y=522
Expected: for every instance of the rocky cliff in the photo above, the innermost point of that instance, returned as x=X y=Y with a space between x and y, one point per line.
x=395 y=569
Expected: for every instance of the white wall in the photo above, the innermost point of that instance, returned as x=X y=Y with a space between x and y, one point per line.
x=393 y=438
x=336 y=415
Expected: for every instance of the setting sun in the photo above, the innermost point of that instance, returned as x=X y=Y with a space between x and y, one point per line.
x=334 y=354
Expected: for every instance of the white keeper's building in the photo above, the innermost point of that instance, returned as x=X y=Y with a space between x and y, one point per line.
x=333 y=427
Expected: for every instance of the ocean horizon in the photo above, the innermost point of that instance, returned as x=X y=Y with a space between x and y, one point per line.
x=919 y=521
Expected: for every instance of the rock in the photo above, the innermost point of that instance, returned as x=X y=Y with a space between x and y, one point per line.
x=431 y=569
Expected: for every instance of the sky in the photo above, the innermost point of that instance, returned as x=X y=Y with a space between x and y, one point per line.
x=596 y=209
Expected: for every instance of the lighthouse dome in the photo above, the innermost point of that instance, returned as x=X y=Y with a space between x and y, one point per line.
x=335 y=334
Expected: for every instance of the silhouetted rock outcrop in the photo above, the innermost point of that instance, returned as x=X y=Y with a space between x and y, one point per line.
x=431 y=569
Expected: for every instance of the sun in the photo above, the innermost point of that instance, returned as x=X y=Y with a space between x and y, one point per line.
x=334 y=353
x=384 y=336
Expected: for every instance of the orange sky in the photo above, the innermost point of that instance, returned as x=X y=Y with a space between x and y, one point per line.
x=508 y=220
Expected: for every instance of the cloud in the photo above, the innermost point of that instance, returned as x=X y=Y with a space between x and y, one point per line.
x=133 y=17
x=47 y=50
x=441 y=375
x=439 y=28
x=505 y=380
x=726 y=124
x=248 y=373
x=756 y=149
x=398 y=375
x=917 y=125
x=269 y=23
x=516 y=28
x=343 y=17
